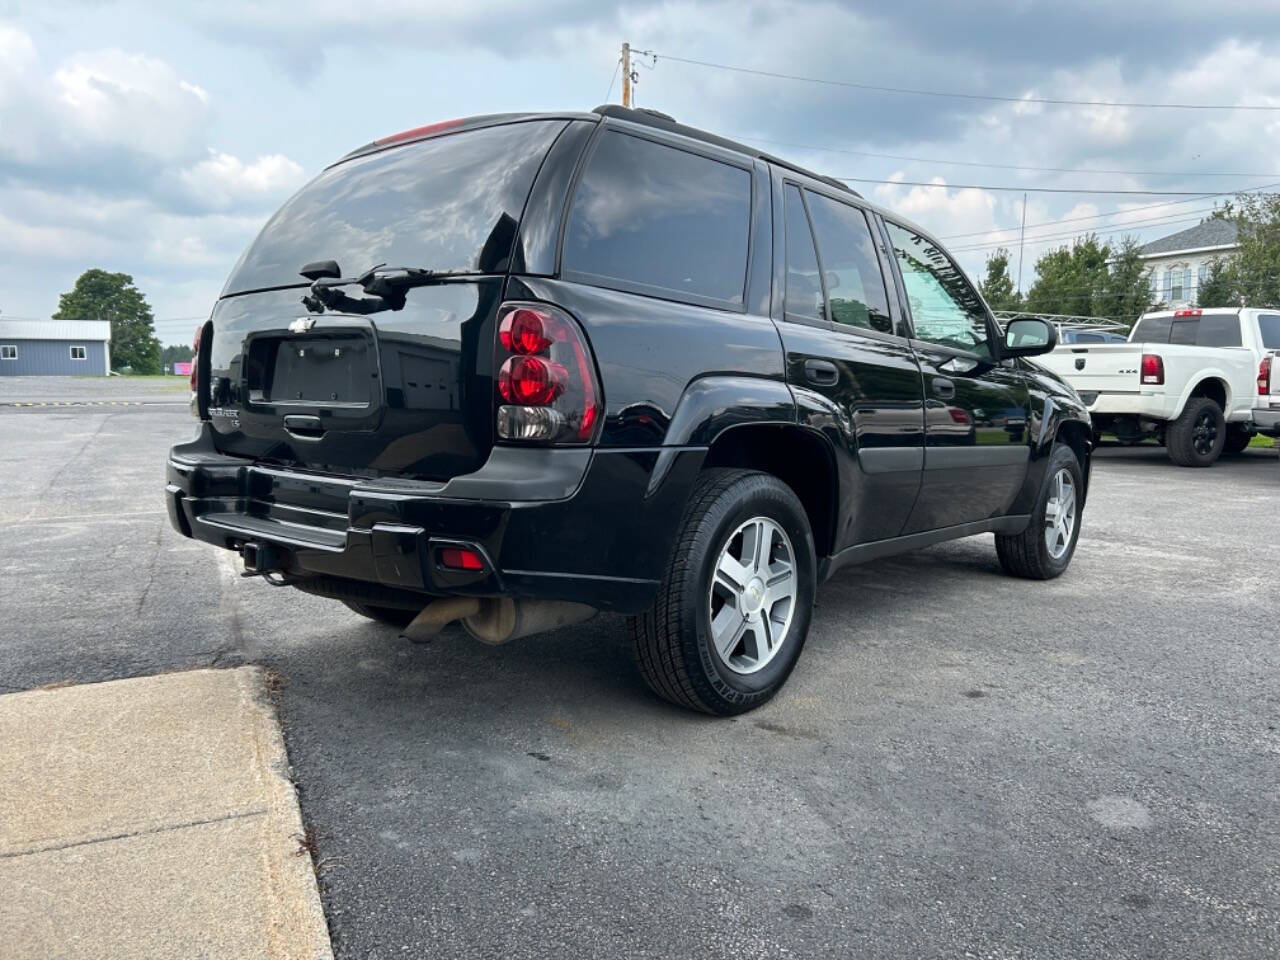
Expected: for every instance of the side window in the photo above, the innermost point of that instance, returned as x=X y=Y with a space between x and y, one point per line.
x=855 y=286
x=649 y=214
x=944 y=308
x=9 y=352
x=1217 y=330
x=77 y=353
x=1269 y=328
x=804 y=285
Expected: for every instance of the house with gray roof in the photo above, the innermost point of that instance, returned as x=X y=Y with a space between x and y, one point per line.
x=1180 y=262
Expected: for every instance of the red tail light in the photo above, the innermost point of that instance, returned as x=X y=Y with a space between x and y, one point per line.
x=546 y=384
x=1264 y=376
x=195 y=360
x=1188 y=313
x=1152 y=368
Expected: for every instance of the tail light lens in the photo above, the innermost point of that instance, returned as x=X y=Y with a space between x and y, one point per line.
x=195 y=359
x=1152 y=368
x=1264 y=376
x=546 y=383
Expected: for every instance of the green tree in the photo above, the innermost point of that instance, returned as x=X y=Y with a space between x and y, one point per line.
x=997 y=286
x=1254 y=272
x=1127 y=290
x=1218 y=289
x=99 y=295
x=1070 y=279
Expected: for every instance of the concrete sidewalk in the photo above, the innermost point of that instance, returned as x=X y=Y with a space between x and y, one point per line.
x=152 y=817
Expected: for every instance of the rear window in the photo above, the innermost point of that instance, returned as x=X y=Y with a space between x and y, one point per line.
x=1269 y=328
x=447 y=203
x=1152 y=330
x=660 y=220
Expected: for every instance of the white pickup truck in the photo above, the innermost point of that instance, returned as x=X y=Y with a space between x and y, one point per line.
x=1190 y=378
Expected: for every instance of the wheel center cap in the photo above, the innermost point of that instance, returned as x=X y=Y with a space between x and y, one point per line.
x=753 y=596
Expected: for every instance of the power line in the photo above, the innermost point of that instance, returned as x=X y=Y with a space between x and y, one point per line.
x=910 y=91
x=1164 y=221
x=1085 y=190
x=614 y=79
x=1004 y=166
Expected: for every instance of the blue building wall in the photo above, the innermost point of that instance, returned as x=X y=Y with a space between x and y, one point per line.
x=53 y=358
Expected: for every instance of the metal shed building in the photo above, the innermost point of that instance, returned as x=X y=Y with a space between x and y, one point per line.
x=65 y=348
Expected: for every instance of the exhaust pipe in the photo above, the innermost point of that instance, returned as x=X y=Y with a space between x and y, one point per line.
x=495 y=620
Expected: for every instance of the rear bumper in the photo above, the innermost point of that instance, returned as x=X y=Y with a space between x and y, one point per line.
x=591 y=526
x=1267 y=420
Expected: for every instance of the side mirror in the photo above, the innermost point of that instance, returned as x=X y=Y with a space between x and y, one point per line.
x=321 y=268
x=1028 y=337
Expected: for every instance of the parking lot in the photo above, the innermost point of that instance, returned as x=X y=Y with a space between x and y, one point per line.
x=962 y=763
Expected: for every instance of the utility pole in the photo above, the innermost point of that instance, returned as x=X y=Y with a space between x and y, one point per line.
x=1022 y=235
x=626 y=75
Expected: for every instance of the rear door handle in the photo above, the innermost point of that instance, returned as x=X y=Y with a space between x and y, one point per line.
x=943 y=388
x=821 y=373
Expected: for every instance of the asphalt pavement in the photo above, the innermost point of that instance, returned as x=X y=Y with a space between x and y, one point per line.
x=962 y=764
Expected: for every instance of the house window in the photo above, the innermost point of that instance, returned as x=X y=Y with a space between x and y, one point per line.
x=9 y=351
x=77 y=353
x=1155 y=286
x=1177 y=284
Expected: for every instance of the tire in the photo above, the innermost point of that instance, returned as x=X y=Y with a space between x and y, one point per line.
x=1236 y=441
x=391 y=616
x=1196 y=438
x=1028 y=554
x=675 y=640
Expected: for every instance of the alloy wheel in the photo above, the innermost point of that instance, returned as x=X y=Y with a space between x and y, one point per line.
x=1060 y=514
x=752 y=598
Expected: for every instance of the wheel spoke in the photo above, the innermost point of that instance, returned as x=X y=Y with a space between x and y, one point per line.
x=727 y=630
x=731 y=573
x=780 y=587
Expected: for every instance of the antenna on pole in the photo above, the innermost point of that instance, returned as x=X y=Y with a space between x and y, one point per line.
x=627 y=76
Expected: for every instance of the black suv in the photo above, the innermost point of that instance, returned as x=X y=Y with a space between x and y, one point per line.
x=515 y=369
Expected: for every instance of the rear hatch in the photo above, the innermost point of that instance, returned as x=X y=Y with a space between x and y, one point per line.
x=1097 y=368
x=399 y=383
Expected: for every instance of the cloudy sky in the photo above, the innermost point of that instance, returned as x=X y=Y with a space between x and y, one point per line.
x=156 y=138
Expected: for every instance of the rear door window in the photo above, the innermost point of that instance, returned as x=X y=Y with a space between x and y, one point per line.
x=855 y=286
x=1269 y=329
x=451 y=202
x=1219 y=330
x=660 y=220
x=804 y=282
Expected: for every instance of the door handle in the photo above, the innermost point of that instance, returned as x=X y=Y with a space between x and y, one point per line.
x=821 y=373
x=303 y=428
x=943 y=388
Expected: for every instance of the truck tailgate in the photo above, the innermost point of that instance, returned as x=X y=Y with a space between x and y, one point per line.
x=1097 y=368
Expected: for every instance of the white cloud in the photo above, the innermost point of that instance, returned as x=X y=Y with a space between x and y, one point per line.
x=222 y=180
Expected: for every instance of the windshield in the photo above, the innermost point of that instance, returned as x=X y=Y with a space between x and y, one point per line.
x=447 y=203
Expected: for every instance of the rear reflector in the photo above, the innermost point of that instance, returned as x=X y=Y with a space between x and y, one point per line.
x=1152 y=369
x=1264 y=376
x=460 y=558
x=417 y=132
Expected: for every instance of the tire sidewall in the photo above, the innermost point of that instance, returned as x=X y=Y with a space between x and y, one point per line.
x=755 y=496
x=1195 y=408
x=1061 y=458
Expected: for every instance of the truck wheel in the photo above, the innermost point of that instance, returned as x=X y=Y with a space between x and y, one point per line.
x=1237 y=440
x=1195 y=439
x=1044 y=550
x=733 y=609
x=388 y=615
